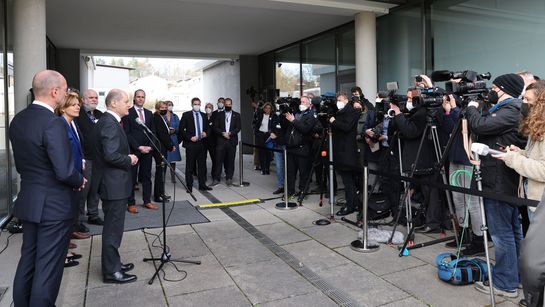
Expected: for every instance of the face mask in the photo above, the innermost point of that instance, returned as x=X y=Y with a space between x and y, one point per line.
x=220 y=105
x=196 y=107
x=302 y=107
x=493 y=97
x=277 y=113
x=525 y=109
x=340 y=105
x=91 y=107
x=409 y=105
x=228 y=108
x=163 y=112
x=169 y=108
x=208 y=110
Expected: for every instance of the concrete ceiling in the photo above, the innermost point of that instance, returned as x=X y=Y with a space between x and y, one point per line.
x=195 y=28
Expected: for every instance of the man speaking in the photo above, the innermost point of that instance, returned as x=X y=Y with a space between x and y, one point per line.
x=112 y=177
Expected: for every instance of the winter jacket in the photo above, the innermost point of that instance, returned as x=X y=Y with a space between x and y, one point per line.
x=344 y=129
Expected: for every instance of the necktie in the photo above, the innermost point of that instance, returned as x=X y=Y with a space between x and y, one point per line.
x=91 y=116
x=198 y=118
x=141 y=115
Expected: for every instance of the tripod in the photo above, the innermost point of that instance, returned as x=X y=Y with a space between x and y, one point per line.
x=165 y=255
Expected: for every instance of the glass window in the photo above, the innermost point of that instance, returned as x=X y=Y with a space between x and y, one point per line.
x=288 y=72
x=347 y=60
x=489 y=36
x=399 y=47
x=318 y=66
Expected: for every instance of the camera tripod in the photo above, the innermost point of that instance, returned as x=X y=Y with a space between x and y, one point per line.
x=430 y=131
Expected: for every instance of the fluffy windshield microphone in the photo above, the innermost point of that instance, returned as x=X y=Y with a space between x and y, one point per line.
x=483 y=150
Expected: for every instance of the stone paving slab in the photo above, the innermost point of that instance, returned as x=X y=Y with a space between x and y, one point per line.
x=315 y=256
x=299 y=218
x=215 y=215
x=227 y=296
x=269 y=280
x=407 y=302
x=282 y=233
x=220 y=231
x=240 y=251
x=134 y=294
x=305 y=300
x=184 y=245
x=333 y=235
x=256 y=215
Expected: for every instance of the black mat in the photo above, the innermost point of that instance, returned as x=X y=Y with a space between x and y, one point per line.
x=183 y=214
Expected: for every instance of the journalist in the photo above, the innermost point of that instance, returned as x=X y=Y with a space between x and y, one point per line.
x=298 y=139
x=496 y=127
x=345 y=150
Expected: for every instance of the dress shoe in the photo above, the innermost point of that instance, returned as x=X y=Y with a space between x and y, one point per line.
x=72 y=245
x=95 y=221
x=73 y=256
x=127 y=267
x=132 y=209
x=345 y=211
x=151 y=206
x=205 y=188
x=80 y=235
x=189 y=190
x=69 y=262
x=160 y=199
x=229 y=182
x=119 y=278
x=428 y=229
x=80 y=227
x=215 y=183
x=279 y=191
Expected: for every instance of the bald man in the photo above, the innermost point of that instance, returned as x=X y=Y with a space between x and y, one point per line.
x=46 y=202
x=88 y=116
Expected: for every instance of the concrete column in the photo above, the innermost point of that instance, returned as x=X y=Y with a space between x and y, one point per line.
x=29 y=46
x=366 y=54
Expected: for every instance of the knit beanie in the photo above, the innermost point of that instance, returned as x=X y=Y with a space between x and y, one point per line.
x=511 y=84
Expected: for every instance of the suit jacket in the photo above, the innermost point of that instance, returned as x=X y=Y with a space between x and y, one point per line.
x=112 y=165
x=219 y=126
x=43 y=158
x=162 y=133
x=134 y=132
x=85 y=125
x=187 y=127
x=75 y=144
x=345 y=149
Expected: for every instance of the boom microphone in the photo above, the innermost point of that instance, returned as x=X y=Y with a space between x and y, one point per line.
x=141 y=124
x=483 y=150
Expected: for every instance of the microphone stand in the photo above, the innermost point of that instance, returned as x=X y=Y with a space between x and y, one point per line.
x=165 y=255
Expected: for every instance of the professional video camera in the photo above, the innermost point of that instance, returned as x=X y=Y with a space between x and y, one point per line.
x=430 y=98
x=325 y=106
x=288 y=104
x=393 y=98
x=468 y=84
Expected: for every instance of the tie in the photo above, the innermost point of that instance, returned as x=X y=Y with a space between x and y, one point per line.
x=91 y=116
x=141 y=115
x=198 y=118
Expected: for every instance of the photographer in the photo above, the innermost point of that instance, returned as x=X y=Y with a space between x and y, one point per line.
x=410 y=128
x=345 y=151
x=496 y=126
x=298 y=142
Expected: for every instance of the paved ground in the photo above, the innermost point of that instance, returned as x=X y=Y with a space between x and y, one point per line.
x=283 y=259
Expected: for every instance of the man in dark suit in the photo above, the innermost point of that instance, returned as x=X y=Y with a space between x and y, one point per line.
x=226 y=126
x=112 y=179
x=88 y=116
x=141 y=147
x=193 y=131
x=162 y=132
x=45 y=203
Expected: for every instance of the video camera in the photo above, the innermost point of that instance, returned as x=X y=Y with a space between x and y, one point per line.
x=471 y=85
x=325 y=106
x=392 y=97
x=288 y=104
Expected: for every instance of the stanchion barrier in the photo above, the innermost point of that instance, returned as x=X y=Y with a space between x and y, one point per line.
x=364 y=246
x=286 y=205
x=240 y=166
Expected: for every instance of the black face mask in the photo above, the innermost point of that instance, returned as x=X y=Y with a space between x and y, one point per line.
x=493 y=97
x=525 y=109
x=228 y=108
x=163 y=112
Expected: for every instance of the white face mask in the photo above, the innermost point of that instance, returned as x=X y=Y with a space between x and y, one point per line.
x=410 y=105
x=220 y=105
x=196 y=107
x=169 y=108
x=340 y=105
x=208 y=110
x=302 y=107
x=277 y=113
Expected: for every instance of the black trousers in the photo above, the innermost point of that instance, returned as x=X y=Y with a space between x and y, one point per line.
x=87 y=195
x=210 y=144
x=433 y=202
x=142 y=172
x=265 y=156
x=195 y=155
x=349 y=181
x=39 y=272
x=160 y=172
x=298 y=162
x=225 y=156
x=112 y=233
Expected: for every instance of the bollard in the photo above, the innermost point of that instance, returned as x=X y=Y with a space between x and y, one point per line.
x=241 y=166
x=364 y=246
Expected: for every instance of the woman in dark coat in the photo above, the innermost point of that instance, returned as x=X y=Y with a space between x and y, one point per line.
x=262 y=129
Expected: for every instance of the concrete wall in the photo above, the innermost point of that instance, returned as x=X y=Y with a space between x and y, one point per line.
x=222 y=80
x=248 y=78
x=68 y=64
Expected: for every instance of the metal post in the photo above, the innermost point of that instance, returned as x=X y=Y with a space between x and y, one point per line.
x=364 y=246
x=286 y=204
x=240 y=166
x=331 y=174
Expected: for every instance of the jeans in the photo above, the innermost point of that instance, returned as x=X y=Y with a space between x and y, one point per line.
x=465 y=201
x=279 y=161
x=506 y=232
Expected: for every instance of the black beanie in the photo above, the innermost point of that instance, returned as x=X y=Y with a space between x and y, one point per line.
x=511 y=84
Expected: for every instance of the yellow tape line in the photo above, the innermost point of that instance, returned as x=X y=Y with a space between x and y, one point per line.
x=231 y=203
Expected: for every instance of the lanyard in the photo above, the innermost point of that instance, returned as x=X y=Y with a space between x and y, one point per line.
x=497 y=105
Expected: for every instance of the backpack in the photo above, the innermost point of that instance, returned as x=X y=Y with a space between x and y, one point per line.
x=463 y=271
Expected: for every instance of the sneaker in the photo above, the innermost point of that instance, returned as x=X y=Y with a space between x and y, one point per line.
x=485 y=288
x=215 y=183
x=279 y=191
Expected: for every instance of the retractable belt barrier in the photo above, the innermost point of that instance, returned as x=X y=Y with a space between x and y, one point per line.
x=514 y=201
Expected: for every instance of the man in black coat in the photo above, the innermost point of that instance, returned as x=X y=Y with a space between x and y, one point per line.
x=44 y=205
x=193 y=131
x=112 y=178
x=162 y=132
x=88 y=116
x=140 y=146
x=344 y=127
x=226 y=127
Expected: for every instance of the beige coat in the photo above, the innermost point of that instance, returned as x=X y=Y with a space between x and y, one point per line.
x=529 y=163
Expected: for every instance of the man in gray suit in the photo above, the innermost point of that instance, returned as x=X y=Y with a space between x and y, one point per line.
x=112 y=177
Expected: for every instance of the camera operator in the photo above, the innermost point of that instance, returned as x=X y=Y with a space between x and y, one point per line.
x=345 y=151
x=298 y=143
x=496 y=126
x=410 y=128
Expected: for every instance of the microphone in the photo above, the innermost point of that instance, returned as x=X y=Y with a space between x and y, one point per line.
x=441 y=75
x=141 y=124
x=483 y=150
